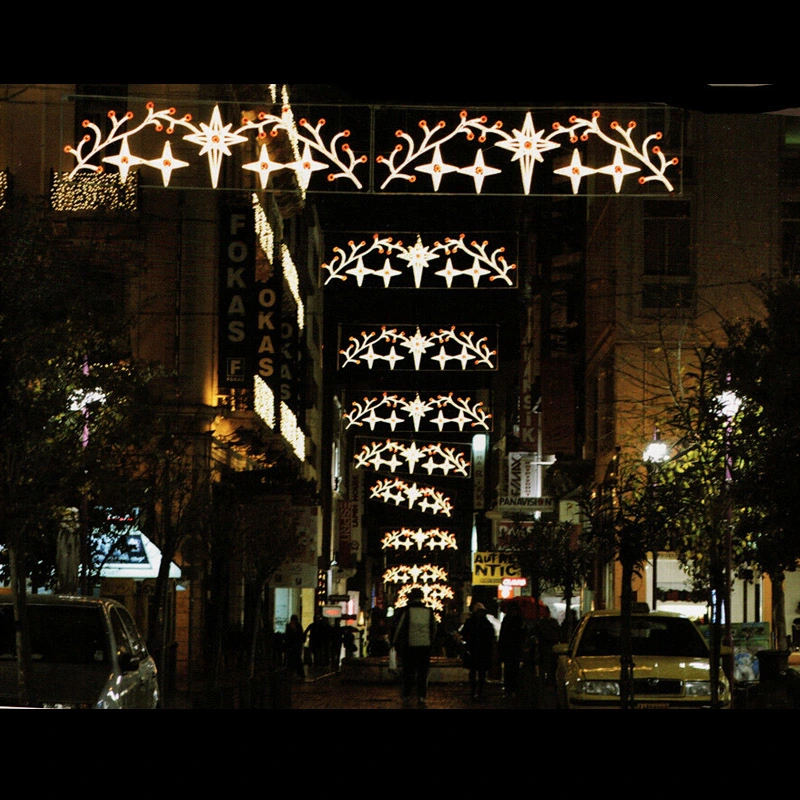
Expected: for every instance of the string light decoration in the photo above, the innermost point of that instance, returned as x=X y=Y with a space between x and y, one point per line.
x=3 y=188
x=471 y=262
x=394 y=490
x=215 y=140
x=291 y=431
x=527 y=146
x=431 y=457
x=417 y=410
x=455 y=347
x=264 y=402
x=415 y=573
x=421 y=538
x=94 y=193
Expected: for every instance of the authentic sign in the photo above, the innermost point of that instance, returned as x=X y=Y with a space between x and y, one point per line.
x=525 y=505
x=493 y=568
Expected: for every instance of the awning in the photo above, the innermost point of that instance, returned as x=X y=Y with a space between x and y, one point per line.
x=140 y=560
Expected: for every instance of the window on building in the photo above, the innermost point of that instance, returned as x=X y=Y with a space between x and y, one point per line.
x=790 y=235
x=667 y=238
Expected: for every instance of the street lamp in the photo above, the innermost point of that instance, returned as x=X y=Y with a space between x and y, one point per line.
x=729 y=405
x=655 y=454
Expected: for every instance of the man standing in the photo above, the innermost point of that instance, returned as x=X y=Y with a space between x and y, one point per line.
x=413 y=638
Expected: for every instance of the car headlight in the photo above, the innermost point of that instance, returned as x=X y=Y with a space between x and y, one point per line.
x=598 y=687
x=698 y=688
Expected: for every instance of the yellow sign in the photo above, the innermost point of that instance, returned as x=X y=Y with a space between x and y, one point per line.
x=492 y=568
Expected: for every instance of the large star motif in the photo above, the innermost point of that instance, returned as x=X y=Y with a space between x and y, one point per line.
x=417 y=345
x=527 y=146
x=437 y=168
x=479 y=171
x=264 y=166
x=575 y=171
x=215 y=141
x=418 y=257
x=123 y=161
x=618 y=169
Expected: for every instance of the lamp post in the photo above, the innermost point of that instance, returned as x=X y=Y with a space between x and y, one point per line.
x=655 y=454
x=729 y=405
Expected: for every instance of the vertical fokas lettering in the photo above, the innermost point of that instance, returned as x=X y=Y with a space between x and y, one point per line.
x=236 y=297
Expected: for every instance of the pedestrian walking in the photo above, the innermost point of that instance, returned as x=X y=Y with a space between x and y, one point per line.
x=413 y=638
x=479 y=638
x=509 y=644
x=319 y=639
x=293 y=641
x=548 y=634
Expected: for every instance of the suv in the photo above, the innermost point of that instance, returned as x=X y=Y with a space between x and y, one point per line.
x=86 y=652
x=671 y=663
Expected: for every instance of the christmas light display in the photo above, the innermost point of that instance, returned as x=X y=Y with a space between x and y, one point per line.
x=527 y=146
x=3 y=188
x=482 y=267
x=215 y=140
x=428 y=499
x=416 y=410
x=264 y=402
x=415 y=573
x=433 y=457
x=455 y=347
x=94 y=193
x=421 y=538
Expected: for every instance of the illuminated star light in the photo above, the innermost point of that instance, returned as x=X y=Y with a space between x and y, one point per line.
x=479 y=171
x=527 y=146
x=448 y=273
x=387 y=273
x=167 y=163
x=419 y=257
x=477 y=272
x=215 y=140
x=264 y=166
x=618 y=169
x=306 y=167
x=437 y=168
x=124 y=161
x=576 y=171
x=417 y=345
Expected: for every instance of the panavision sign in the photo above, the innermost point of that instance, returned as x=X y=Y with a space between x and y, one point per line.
x=524 y=505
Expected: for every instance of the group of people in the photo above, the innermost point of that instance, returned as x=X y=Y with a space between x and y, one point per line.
x=324 y=644
x=518 y=640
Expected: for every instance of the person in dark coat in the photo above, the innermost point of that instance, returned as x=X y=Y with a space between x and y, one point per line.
x=512 y=636
x=479 y=638
x=413 y=639
x=293 y=641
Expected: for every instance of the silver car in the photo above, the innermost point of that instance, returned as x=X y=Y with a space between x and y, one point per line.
x=86 y=652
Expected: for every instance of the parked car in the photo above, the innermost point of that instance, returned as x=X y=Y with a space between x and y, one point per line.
x=671 y=663
x=86 y=652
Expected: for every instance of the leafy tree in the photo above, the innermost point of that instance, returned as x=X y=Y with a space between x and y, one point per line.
x=56 y=318
x=762 y=358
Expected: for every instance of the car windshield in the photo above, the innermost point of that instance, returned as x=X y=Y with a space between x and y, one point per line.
x=59 y=634
x=651 y=636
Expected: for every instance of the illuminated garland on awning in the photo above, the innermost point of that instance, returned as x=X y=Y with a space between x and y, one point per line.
x=458 y=347
x=394 y=490
x=430 y=538
x=416 y=410
x=482 y=266
x=440 y=458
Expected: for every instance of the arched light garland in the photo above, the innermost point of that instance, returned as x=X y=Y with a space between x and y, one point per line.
x=215 y=140
x=458 y=346
x=394 y=490
x=416 y=410
x=527 y=146
x=484 y=266
x=409 y=455
x=430 y=538
x=415 y=573
x=433 y=595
